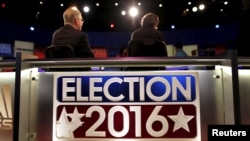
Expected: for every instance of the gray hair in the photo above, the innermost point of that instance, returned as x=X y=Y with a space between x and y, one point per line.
x=70 y=14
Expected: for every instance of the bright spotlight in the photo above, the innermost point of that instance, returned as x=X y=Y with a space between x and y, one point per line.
x=86 y=9
x=172 y=26
x=32 y=28
x=217 y=26
x=112 y=25
x=123 y=12
x=201 y=7
x=195 y=9
x=133 y=12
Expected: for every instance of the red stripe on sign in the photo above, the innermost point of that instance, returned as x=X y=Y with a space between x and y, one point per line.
x=126 y=121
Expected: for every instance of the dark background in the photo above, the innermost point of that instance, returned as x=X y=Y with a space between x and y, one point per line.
x=16 y=18
x=49 y=14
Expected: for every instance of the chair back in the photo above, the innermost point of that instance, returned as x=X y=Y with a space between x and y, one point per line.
x=147 y=48
x=59 y=51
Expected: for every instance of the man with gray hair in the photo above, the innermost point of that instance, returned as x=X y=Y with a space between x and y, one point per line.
x=71 y=34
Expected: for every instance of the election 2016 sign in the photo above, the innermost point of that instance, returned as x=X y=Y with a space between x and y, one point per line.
x=126 y=105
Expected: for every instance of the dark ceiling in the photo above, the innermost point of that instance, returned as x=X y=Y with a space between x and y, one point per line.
x=49 y=14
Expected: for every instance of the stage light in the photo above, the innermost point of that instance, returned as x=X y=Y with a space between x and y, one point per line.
x=217 y=26
x=123 y=12
x=32 y=28
x=195 y=9
x=172 y=26
x=112 y=25
x=3 y=5
x=86 y=9
x=201 y=7
x=133 y=12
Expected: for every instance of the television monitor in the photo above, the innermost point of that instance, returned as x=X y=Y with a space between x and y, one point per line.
x=6 y=48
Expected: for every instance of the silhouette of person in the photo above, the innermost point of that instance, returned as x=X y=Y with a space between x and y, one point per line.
x=147 y=41
x=148 y=29
x=179 y=52
x=243 y=40
x=70 y=34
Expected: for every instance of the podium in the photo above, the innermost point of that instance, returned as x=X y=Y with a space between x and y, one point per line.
x=30 y=112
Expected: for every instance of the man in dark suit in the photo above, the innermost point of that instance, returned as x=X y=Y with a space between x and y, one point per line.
x=71 y=34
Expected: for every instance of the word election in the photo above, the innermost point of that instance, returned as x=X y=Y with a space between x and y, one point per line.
x=126 y=89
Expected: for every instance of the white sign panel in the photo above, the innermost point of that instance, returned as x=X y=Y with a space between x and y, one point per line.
x=126 y=106
x=7 y=80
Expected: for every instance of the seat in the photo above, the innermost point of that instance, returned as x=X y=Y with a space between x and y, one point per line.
x=147 y=48
x=62 y=51
x=59 y=51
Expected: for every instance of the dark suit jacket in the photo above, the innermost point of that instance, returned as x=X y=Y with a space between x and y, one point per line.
x=144 y=34
x=147 y=33
x=67 y=35
x=243 y=39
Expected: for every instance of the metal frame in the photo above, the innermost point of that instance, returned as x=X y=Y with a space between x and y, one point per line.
x=231 y=60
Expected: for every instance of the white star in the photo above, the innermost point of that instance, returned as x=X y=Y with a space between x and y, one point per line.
x=63 y=126
x=76 y=120
x=181 y=120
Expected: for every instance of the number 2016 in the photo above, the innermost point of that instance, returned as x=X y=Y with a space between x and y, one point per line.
x=153 y=117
